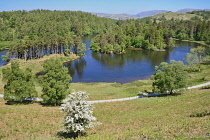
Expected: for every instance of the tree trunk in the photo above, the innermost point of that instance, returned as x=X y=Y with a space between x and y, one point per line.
x=171 y=92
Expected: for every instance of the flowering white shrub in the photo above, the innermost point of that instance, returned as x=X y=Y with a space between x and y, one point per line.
x=79 y=112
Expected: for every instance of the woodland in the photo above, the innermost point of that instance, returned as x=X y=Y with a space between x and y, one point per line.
x=32 y=34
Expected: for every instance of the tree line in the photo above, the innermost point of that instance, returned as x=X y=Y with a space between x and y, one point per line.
x=39 y=32
x=134 y=34
x=147 y=33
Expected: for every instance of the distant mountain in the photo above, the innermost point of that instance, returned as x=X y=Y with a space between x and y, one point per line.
x=180 y=14
x=150 y=13
x=190 y=10
x=115 y=16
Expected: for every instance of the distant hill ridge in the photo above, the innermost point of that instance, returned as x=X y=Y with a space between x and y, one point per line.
x=190 y=10
x=144 y=14
x=150 y=13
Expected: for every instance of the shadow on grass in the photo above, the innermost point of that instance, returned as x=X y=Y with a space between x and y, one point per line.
x=25 y=102
x=71 y=135
x=49 y=104
x=167 y=95
x=205 y=87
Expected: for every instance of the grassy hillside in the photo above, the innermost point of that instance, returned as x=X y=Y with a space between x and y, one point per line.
x=180 y=16
x=147 y=118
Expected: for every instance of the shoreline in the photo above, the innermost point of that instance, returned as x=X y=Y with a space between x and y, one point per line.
x=198 y=42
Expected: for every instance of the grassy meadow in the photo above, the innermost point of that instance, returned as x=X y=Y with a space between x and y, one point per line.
x=146 y=118
x=165 y=117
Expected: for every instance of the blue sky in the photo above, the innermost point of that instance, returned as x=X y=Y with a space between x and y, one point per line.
x=104 y=6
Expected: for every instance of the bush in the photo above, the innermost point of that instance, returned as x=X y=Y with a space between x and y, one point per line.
x=78 y=115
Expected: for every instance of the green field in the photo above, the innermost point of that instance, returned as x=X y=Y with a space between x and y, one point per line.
x=166 y=117
x=147 y=118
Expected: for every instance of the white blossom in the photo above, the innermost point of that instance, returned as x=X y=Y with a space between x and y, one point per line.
x=79 y=112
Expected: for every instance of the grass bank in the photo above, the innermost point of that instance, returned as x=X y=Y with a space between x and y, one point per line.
x=198 y=42
x=147 y=118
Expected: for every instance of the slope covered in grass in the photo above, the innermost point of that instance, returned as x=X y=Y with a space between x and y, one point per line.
x=154 y=118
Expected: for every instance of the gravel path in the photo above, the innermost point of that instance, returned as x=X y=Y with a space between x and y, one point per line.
x=122 y=99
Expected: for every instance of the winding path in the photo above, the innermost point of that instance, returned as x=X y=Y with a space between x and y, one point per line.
x=123 y=99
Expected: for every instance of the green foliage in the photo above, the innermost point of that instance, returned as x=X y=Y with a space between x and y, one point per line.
x=95 y=47
x=107 y=49
x=5 y=58
x=19 y=83
x=204 y=14
x=55 y=82
x=41 y=29
x=191 y=59
x=168 y=77
x=196 y=56
x=37 y=30
x=117 y=48
x=171 y=42
x=131 y=33
x=46 y=23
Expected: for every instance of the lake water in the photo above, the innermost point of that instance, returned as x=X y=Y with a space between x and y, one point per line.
x=128 y=67
x=1 y=61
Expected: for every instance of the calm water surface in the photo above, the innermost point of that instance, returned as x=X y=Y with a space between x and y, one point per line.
x=128 y=67
x=1 y=61
x=134 y=65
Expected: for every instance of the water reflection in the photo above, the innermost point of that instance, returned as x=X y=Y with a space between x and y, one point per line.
x=1 y=61
x=109 y=60
x=153 y=57
x=77 y=67
x=131 y=66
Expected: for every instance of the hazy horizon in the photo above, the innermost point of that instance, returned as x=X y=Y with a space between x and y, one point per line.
x=100 y=6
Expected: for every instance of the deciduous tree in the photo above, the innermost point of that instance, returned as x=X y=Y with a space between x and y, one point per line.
x=78 y=113
x=55 y=82
x=168 y=77
x=19 y=83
